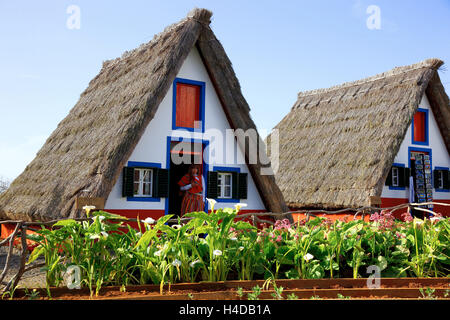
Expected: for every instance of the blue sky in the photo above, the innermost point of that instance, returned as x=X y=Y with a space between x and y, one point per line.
x=277 y=48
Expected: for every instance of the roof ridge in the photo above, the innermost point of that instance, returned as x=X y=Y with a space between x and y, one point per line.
x=433 y=63
x=200 y=15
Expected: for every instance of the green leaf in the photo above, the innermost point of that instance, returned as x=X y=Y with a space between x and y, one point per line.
x=35 y=254
x=65 y=222
x=382 y=263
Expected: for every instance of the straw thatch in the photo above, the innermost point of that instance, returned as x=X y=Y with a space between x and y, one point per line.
x=91 y=145
x=338 y=144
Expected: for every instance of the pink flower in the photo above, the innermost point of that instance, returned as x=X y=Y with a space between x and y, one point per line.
x=385 y=219
x=282 y=224
x=407 y=217
x=278 y=238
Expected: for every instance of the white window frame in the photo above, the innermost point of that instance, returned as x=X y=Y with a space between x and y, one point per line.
x=395 y=177
x=441 y=179
x=221 y=185
x=142 y=182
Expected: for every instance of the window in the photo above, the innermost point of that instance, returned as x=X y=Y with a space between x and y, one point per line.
x=441 y=176
x=188 y=104
x=143 y=179
x=395 y=177
x=227 y=184
x=420 y=127
x=224 y=185
x=398 y=177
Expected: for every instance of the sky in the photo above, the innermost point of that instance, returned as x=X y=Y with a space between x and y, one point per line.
x=278 y=48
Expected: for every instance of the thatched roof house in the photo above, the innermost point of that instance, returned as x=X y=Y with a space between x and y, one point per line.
x=337 y=145
x=90 y=147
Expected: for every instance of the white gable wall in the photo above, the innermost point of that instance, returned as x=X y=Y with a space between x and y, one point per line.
x=439 y=154
x=152 y=146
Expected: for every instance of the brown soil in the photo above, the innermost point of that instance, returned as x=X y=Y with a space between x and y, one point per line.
x=404 y=288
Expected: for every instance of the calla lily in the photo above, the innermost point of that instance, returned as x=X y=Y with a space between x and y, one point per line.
x=149 y=220
x=158 y=253
x=193 y=263
x=308 y=257
x=211 y=203
x=176 y=263
x=217 y=252
x=88 y=209
x=238 y=206
x=176 y=226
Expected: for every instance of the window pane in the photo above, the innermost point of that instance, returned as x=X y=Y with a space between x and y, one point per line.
x=228 y=179
x=227 y=193
x=136 y=188
x=146 y=188
x=136 y=175
x=146 y=175
x=395 y=177
x=441 y=179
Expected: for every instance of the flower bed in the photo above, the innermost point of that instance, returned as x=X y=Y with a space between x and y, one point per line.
x=215 y=247
x=390 y=288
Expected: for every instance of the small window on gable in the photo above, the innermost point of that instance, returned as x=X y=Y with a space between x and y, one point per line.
x=395 y=177
x=420 y=127
x=188 y=100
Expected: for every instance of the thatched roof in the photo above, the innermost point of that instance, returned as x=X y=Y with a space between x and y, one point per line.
x=338 y=144
x=91 y=145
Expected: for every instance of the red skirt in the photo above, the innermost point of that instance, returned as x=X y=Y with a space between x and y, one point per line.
x=191 y=203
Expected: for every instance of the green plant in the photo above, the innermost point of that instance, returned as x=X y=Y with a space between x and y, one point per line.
x=340 y=296
x=428 y=293
x=33 y=295
x=292 y=296
x=254 y=295
x=240 y=292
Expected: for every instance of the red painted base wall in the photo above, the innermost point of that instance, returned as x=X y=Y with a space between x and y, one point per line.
x=385 y=203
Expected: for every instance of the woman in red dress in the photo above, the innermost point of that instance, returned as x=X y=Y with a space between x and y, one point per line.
x=191 y=185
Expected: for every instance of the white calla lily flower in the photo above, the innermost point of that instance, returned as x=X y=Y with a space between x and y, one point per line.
x=88 y=209
x=211 y=203
x=308 y=257
x=176 y=263
x=217 y=252
x=149 y=220
x=238 y=206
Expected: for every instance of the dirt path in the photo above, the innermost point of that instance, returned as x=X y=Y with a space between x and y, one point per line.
x=31 y=279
